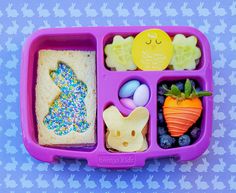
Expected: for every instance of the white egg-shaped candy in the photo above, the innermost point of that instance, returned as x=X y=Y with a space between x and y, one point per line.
x=141 y=95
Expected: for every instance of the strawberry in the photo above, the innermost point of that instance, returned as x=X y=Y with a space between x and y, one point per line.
x=182 y=109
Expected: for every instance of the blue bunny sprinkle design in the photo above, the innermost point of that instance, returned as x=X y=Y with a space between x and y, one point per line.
x=68 y=112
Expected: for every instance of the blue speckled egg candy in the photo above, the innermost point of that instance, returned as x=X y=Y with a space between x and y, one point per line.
x=128 y=88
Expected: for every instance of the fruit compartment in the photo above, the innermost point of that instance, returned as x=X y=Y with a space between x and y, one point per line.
x=108 y=84
x=205 y=124
x=171 y=31
x=161 y=121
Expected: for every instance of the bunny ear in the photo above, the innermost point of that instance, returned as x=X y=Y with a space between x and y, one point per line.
x=112 y=118
x=65 y=71
x=139 y=117
x=53 y=74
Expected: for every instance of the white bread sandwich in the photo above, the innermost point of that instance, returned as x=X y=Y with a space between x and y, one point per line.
x=66 y=98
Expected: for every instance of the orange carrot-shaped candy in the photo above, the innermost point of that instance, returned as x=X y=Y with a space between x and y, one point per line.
x=182 y=110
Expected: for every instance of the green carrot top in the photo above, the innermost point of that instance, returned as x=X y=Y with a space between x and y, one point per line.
x=189 y=91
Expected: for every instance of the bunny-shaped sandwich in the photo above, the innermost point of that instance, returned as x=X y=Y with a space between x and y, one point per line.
x=66 y=98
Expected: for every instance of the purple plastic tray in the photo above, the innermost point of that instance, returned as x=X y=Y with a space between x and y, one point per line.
x=108 y=84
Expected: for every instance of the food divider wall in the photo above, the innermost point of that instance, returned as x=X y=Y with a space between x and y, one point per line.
x=108 y=85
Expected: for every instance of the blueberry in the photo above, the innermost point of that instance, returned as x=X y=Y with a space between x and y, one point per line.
x=161 y=90
x=173 y=140
x=193 y=83
x=184 y=140
x=160 y=118
x=198 y=89
x=166 y=141
x=195 y=132
x=160 y=100
x=162 y=131
x=180 y=86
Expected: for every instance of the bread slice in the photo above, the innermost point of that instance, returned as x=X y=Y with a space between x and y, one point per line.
x=83 y=65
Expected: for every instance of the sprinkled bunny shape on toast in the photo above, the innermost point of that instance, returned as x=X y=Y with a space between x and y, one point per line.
x=125 y=133
x=68 y=111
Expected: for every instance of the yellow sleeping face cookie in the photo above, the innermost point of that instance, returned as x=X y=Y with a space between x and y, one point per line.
x=152 y=50
x=125 y=134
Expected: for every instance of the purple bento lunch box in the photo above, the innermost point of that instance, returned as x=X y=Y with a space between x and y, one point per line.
x=108 y=84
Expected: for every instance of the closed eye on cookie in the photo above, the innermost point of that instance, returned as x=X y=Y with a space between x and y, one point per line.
x=148 y=42
x=158 y=42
